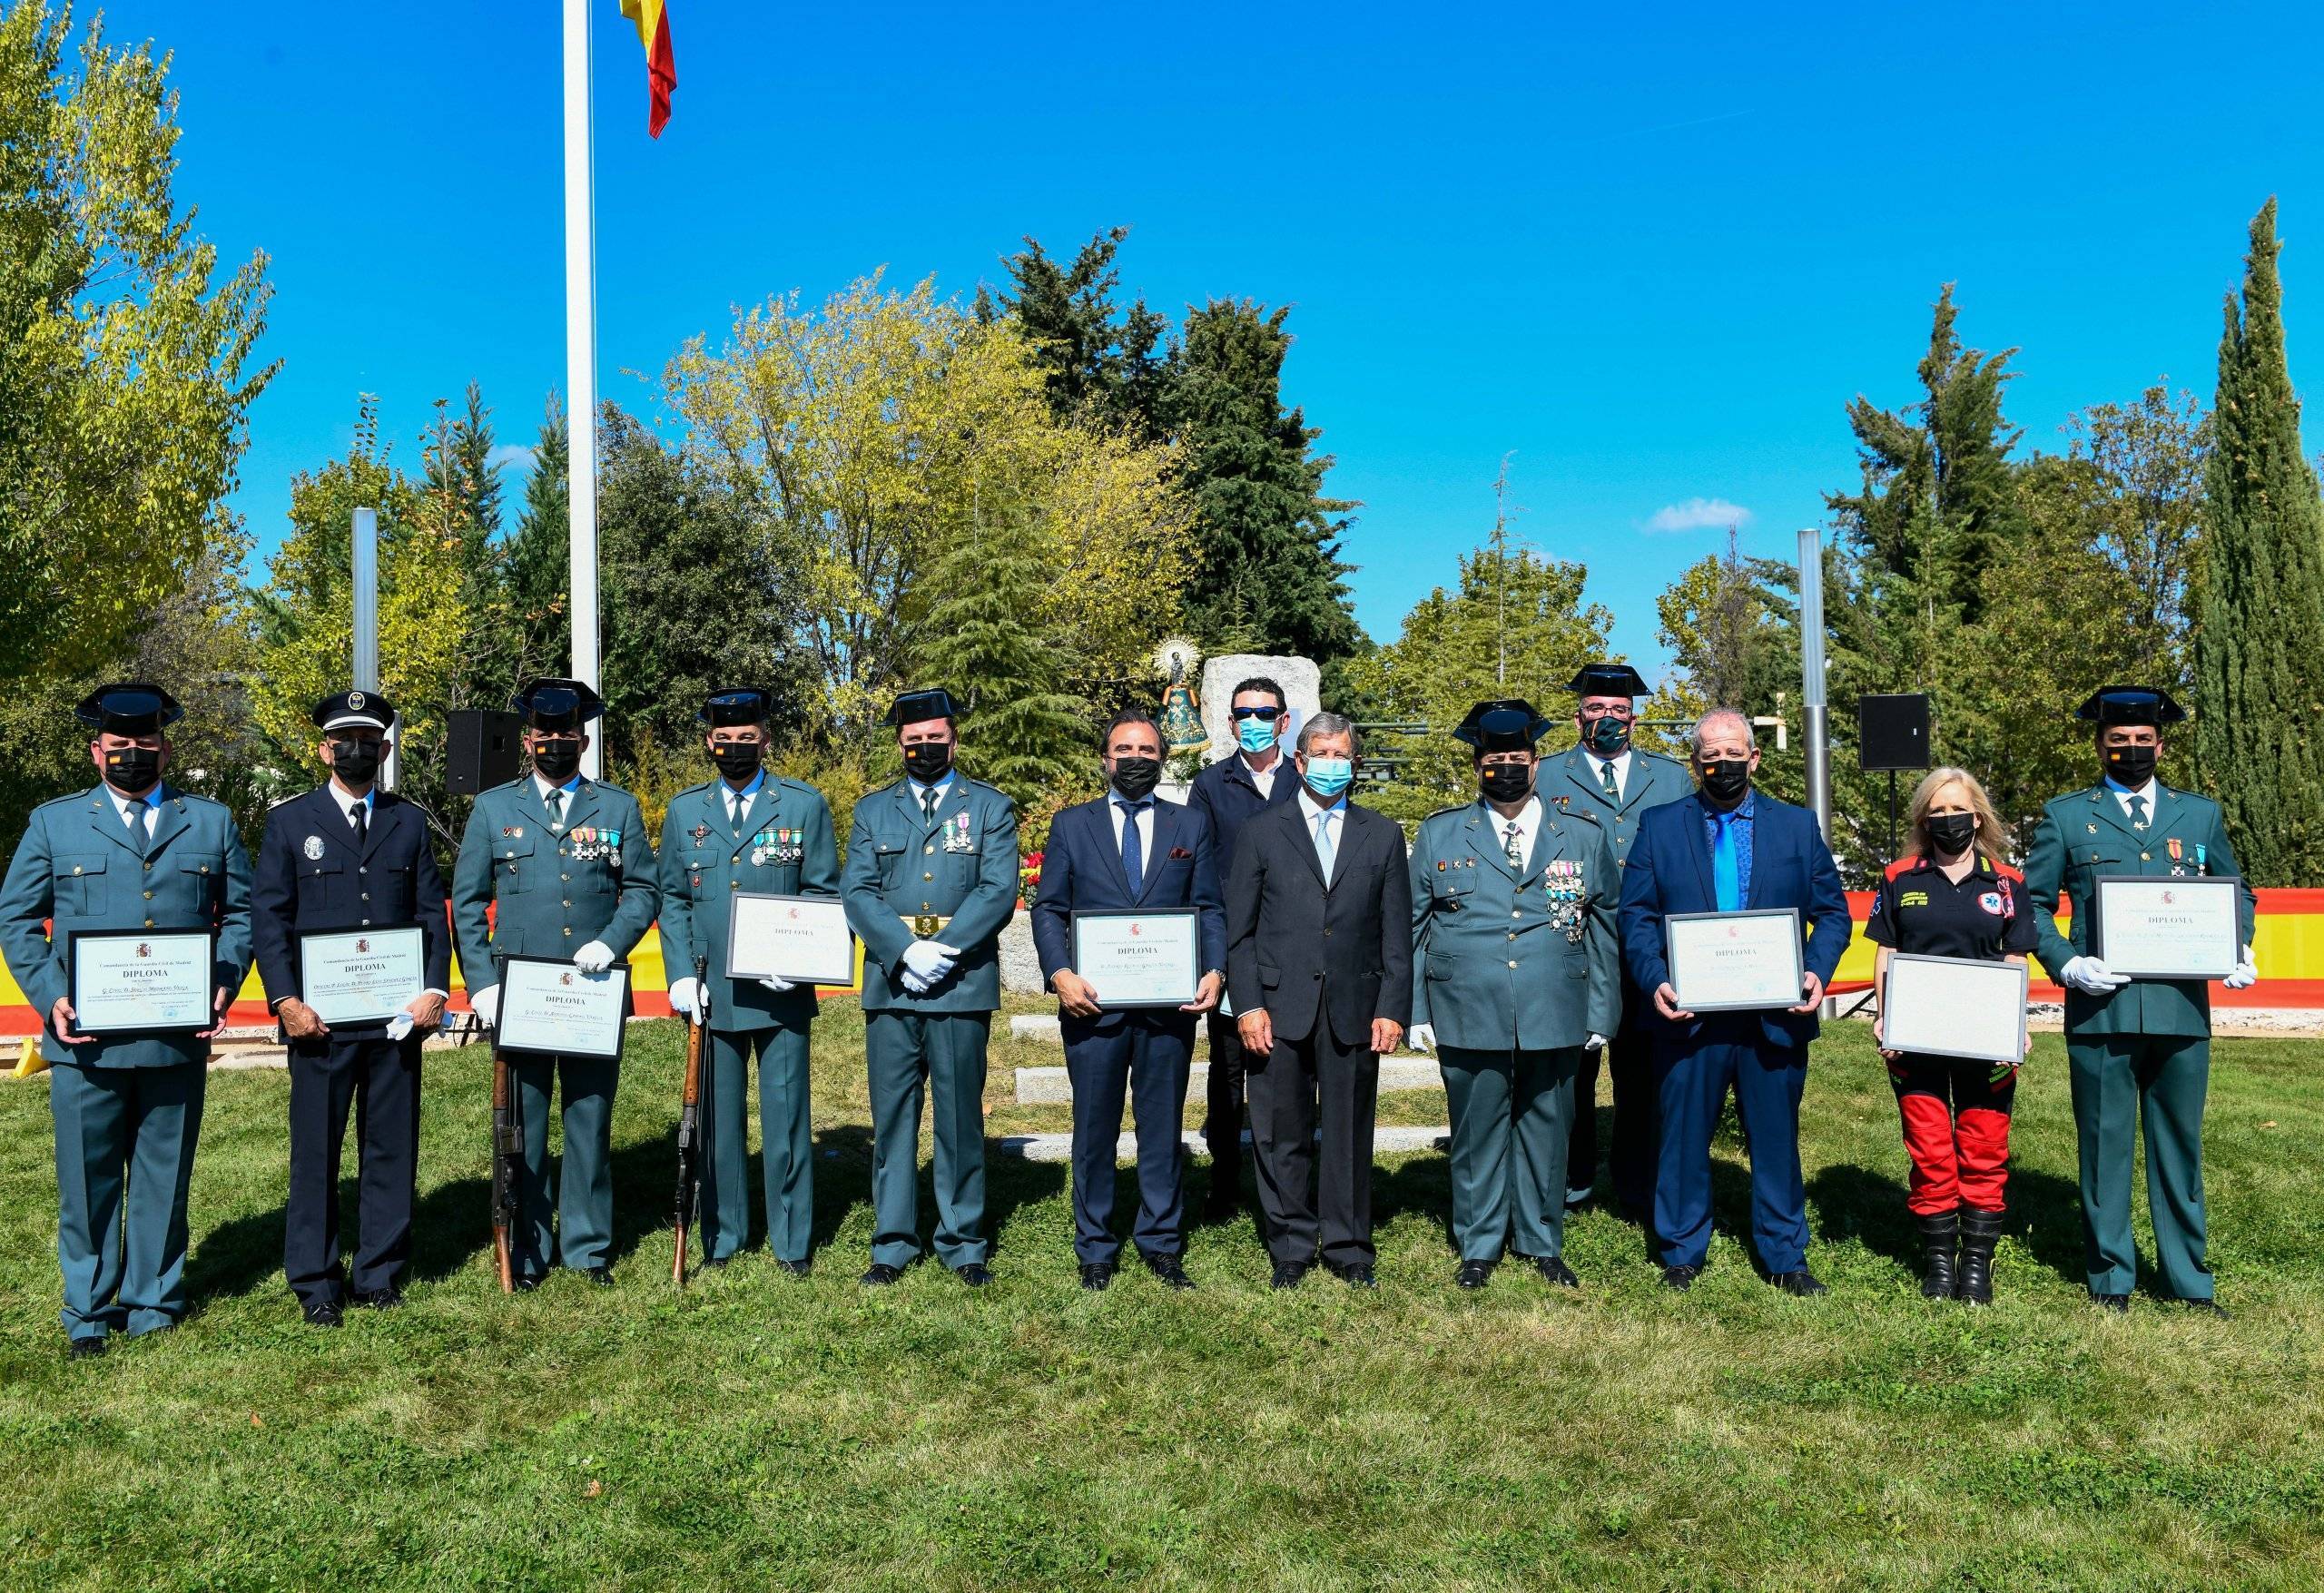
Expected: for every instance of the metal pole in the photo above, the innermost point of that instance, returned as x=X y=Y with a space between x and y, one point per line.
x=1811 y=677
x=365 y=675
x=581 y=357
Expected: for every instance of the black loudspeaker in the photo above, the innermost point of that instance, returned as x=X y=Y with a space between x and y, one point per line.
x=484 y=748
x=1892 y=732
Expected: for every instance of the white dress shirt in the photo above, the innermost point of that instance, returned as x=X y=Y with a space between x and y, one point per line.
x=1327 y=836
x=738 y=802
x=942 y=789
x=1116 y=805
x=1528 y=822
x=147 y=808
x=1263 y=777
x=1621 y=766
x=564 y=812
x=2124 y=794
x=347 y=804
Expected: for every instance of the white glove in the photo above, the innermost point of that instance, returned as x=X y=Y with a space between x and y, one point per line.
x=778 y=986
x=595 y=958
x=686 y=995
x=486 y=1004
x=2089 y=975
x=1596 y=1042
x=399 y=1026
x=2246 y=974
x=928 y=961
x=1422 y=1036
x=914 y=983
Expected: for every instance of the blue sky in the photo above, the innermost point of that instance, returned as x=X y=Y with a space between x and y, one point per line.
x=1651 y=258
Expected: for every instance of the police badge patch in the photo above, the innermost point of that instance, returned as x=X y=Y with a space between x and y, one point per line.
x=314 y=849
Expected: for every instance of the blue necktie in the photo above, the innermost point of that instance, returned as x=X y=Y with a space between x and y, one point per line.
x=1133 y=854
x=1725 y=869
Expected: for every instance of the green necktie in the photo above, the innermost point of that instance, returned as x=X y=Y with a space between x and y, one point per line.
x=1606 y=779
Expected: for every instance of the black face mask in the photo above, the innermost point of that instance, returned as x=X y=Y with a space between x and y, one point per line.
x=1136 y=778
x=558 y=762
x=737 y=760
x=1607 y=736
x=1505 y=783
x=929 y=762
x=355 y=762
x=2132 y=766
x=1726 y=779
x=134 y=769
x=1951 y=833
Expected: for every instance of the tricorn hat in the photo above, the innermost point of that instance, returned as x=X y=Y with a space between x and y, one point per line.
x=1608 y=680
x=1504 y=724
x=2131 y=705
x=734 y=706
x=931 y=702
x=129 y=708
x=557 y=704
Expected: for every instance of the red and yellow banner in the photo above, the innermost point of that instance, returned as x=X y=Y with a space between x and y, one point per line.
x=653 y=20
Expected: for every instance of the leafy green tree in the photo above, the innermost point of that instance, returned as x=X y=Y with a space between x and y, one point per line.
x=2147 y=462
x=1100 y=362
x=1732 y=626
x=533 y=564
x=2260 y=644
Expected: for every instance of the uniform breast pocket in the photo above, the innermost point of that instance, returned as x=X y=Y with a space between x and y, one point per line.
x=512 y=865
x=890 y=862
x=1449 y=898
x=78 y=883
x=198 y=880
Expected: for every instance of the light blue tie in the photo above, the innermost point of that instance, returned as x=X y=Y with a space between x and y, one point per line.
x=1725 y=869
x=1325 y=851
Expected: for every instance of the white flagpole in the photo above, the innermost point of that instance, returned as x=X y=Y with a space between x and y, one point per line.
x=581 y=358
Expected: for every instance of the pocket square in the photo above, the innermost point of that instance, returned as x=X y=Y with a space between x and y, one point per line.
x=1180 y=851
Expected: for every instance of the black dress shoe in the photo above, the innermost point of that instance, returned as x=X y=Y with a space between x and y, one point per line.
x=1288 y=1275
x=708 y=1262
x=87 y=1347
x=322 y=1313
x=1803 y=1283
x=603 y=1276
x=525 y=1282
x=1553 y=1270
x=386 y=1299
x=2119 y=1305
x=797 y=1269
x=1222 y=1209
x=1680 y=1278
x=880 y=1275
x=1097 y=1276
x=2207 y=1307
x=1473 y=1275
x=1168 y=1268
x=1357 y=1274
x=975 y=1274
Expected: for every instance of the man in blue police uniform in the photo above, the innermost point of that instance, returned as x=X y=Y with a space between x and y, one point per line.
x=563 y=863
x=1606 y=775
x=929 y=882
x=347 y=856
x=746 y=831
x=1515 y=979
x=131 y=853
x=2135 y=1047
x=1127 y=852
x=1256 y=776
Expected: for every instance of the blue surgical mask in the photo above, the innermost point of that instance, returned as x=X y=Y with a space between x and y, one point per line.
x=1254 y=735
x=1328 y=777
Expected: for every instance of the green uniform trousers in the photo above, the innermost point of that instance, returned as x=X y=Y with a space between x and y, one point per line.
x=2118 y=1080
x=786 y=1136
x=583 y=1196
x=906 y=1053
x=124 y=1158
x=1496 y=1097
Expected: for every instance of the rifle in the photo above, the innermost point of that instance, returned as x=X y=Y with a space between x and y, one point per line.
x=690 y=1117
x=507 y=1157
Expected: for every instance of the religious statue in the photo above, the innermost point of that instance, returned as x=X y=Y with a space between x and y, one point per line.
x=1182 y=729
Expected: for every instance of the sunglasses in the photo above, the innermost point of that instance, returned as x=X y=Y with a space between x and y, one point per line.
x=1269 y=713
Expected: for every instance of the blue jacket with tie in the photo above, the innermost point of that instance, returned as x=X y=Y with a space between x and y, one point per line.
x=1083 y=871
x=80 y=867
x=1669 y=871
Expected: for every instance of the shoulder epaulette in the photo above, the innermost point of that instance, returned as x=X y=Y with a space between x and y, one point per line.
x=1900 y=867
x=285 y=801
x=689 y=791
x=1455 y=808
x=2005 y=871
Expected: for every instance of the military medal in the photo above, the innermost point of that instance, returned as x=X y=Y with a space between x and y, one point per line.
x=314 y=849
x=701 y=832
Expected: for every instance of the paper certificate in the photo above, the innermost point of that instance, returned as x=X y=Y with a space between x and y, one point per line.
x=550 y=1006
x=1732 y=961
x=362 y=975
x=2153 y=926
x=1139 y=958
x=143 y=981
x=1953 y=1006
x=802 y=939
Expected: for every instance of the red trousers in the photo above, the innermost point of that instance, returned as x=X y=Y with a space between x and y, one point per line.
x=1956 y=1130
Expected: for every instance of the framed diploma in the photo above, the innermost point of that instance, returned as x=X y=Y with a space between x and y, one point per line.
x=1135 y=958
x=1954 y=1007
x=1733 y=962
x=142 y=981
x=2156 y=927
x=362 y=975
x=802 y=939
x=551 y=1007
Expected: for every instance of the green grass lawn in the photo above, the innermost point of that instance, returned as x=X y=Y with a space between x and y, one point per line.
x=761 y=1432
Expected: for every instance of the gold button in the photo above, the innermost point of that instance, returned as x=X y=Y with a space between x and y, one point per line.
x=568 y=929
x=149 y=896
x=928 y=876
x=1512 y=934
x=76 y=868
x=568 y=904
x=1513 y=963
x=1516 y=912
x=2144 y=856
x=205 y=868
x=149 y=923
x=567 y=877
x=149 y=867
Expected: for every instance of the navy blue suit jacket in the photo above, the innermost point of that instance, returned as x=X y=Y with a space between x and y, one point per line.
x=1669 y=871
x=1226 y=794
x=1081 y=872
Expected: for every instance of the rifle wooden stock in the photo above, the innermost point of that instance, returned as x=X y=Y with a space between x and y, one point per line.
x=507 y=1159
x=690 y=1118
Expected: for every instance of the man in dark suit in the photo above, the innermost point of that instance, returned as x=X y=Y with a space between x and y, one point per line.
x=1319 y=961
x=349 y=856
x=1256 y=776
x=1127 y=853
x=1727 y=849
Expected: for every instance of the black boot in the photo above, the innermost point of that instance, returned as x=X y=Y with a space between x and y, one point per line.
x=1980 y=1231
x=1940 y=1232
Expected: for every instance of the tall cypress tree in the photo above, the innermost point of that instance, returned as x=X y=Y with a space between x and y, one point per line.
x=2259 y=632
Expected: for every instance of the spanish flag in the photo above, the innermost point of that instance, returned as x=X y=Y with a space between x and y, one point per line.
x=653 y=20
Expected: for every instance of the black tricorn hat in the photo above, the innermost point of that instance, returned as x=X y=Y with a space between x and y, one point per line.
x=557 y=704
x=128 y=708
x=353 y=708
x=912 y=707
x=2131 y=705
x=735 y=705
x=1504 y=724
x=1608 y=680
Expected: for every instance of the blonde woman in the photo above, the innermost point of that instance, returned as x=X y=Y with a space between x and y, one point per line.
x=1953 y=894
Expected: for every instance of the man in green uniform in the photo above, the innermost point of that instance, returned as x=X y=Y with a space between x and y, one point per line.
x=564 y=863
x=133 y=853
x=2136 y=1047
x=931 y=879
x=747 y=830
x=1517 y=974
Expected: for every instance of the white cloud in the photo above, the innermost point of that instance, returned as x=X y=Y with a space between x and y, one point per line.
x=1699 y=513
x=508 y=453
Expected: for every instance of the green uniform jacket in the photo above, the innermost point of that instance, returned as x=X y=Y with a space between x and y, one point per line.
x=557 y=893
x=2086 y=834
x=1569 y=783
x=962 y=868
x=787 y=829
x=1502 y=962
x=79 y=865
